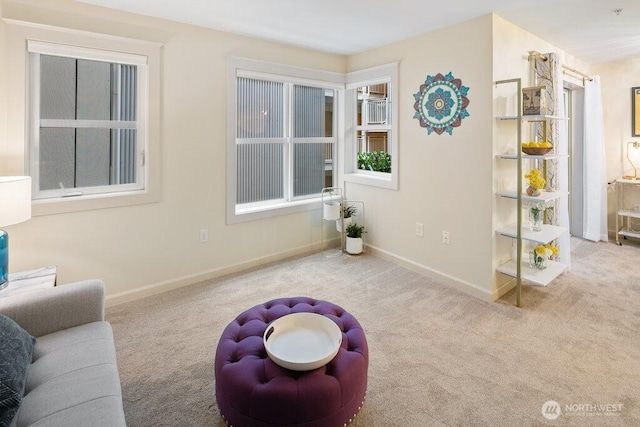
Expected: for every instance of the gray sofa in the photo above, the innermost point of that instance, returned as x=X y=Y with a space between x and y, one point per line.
x=73 y=377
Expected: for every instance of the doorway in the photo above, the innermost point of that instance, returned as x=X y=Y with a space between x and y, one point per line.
x=574 y=106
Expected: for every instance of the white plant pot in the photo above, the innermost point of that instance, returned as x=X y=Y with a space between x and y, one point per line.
x=331 y=211
x=339 y=223
x=354 y=245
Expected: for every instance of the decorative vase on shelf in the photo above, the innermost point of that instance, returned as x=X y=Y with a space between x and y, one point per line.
x=535 y=217
x=536 y=260
x=532 y=191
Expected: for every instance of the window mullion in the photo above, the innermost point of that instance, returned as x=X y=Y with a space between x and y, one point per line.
x=288 y=151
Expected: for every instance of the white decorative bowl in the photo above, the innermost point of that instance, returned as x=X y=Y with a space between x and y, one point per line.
x=302 y=341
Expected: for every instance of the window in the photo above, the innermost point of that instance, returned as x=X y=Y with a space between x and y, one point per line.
x=88 y=122
x=371 y=148
x=282 y=139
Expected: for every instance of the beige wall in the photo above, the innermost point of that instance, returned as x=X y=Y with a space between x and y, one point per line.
x=616 y=80
x=132 y=248
x=443 y=180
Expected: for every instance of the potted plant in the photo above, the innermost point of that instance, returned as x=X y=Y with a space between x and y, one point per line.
x=347 y=214
x=331 y=208
x=354 y=238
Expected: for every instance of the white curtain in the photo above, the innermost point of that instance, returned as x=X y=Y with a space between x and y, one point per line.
x=564 y=242
x=594 y=171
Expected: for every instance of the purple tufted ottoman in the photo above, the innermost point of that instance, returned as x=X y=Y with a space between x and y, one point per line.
x=252 y=391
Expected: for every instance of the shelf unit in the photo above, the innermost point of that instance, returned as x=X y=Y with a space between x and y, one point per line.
x=625 y=215
x=520 y=268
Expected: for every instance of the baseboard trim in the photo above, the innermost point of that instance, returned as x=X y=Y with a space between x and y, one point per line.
x=447 y=279
x=169 y=285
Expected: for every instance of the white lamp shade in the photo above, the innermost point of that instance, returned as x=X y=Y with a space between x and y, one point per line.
x=15 y=199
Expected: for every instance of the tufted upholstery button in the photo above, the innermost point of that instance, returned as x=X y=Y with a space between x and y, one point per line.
x=251 y=390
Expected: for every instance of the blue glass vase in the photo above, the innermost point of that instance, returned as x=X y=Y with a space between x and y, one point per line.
x=4 y=258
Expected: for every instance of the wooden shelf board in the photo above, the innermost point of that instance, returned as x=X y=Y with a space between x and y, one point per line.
x=546 y=235
x=632 y=214
x=511 y=156
x=528 y=118
x=629 y=234
x=545 y=196
x=628 y=181
x=533 y=275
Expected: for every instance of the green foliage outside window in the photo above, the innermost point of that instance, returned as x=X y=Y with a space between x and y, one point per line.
x=377 y=161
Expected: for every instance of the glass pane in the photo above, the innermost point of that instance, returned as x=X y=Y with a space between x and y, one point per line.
x=79 y=89
x=312 y=112
x=57 y=158
x=260 y=172
x=373 y=151
x=92 y=157
x=260 y=109
x=373 y=105
x=123 y=156
x=312 y=168
x=57 y=87
x=86 y=157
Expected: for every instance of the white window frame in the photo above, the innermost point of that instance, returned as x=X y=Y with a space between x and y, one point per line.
x=22 y=33
x=371 y=76
x=289 y=76
x=37 y=48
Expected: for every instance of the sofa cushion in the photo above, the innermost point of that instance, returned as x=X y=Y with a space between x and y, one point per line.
x=73 y=380
x=15 y=355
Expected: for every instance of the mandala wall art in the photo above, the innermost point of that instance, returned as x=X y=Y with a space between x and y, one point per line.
x=441 y=103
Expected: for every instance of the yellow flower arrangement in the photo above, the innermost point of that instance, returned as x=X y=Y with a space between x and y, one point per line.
x=547 y=250
x=535 y=179
x=541 y=253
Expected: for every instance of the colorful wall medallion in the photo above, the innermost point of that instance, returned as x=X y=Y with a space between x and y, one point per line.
x=441 y=103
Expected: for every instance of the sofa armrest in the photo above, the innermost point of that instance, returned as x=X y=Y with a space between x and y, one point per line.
x=48 y=310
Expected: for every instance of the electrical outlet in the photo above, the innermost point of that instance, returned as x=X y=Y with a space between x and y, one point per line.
x=446 y=238
x=204 y=235
x=419 y=229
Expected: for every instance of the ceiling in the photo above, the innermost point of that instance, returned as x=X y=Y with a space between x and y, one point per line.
x=587 y=29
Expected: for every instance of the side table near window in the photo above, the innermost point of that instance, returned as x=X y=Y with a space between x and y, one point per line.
x=31 y=280
x=628 y=209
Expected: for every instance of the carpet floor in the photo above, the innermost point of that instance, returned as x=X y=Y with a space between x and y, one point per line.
x=438 y=357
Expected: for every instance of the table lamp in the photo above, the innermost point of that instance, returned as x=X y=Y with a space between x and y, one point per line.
x=635 y=145
x=15 y=207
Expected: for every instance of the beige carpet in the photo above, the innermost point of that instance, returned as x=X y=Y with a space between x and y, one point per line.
x=437 y=356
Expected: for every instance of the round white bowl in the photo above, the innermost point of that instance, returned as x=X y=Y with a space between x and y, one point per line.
x=302 y=341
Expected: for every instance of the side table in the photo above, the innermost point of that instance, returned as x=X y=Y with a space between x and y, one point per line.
x=31 y=280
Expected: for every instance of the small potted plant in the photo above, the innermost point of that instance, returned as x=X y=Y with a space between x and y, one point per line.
x=354 y=238
x=347 y=214
x=331 y=208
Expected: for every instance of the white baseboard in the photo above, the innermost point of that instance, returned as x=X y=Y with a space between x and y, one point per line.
x=180 y=282
x=444 y=278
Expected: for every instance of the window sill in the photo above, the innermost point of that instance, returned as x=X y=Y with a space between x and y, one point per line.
x=373 y=179
x=272 y=210
x=92 y=202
